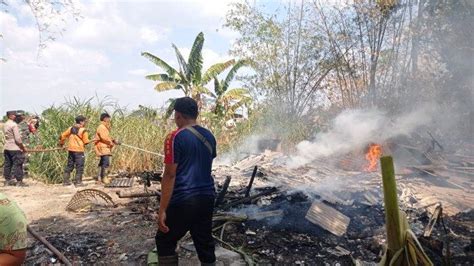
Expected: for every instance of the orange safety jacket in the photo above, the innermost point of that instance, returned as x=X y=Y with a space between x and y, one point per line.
x=77 y=137
x=103 y=141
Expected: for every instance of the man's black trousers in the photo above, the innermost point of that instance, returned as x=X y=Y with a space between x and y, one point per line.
x=13 y=167
x=194 y=215
x=75 y=160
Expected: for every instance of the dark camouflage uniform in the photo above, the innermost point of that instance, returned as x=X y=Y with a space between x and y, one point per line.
x=25 y=138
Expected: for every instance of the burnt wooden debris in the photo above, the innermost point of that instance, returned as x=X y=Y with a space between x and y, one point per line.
x=45 y=242
x=340 y=209
x=329 y=209
x=122 y=194
x=221 y=195
x=121 y=182
x=252 y=178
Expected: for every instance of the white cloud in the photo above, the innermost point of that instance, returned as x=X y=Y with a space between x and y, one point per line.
x=16 y=37
x=117 y=86
x=149 y=35
x=139 y=72
x=100 y=54
x=215 y=8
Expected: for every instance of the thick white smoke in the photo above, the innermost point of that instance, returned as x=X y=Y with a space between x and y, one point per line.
x=355 y=129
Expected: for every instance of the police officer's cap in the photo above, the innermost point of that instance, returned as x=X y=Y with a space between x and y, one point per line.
x=20 y=112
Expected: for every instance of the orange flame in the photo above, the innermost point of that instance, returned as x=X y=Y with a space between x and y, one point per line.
x=372 y=156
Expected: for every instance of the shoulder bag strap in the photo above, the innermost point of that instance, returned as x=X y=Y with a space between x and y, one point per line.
x=201 y=138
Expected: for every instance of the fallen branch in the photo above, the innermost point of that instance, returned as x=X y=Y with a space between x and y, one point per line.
x=138 y=195
x=49 y=246
x=249 y=199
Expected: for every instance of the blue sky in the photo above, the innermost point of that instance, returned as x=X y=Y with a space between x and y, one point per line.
x=100 y=54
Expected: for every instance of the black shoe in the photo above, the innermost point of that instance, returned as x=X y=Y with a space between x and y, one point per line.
x=80 y=184
x=10 y=183
x=21 y=184
x=66 y=183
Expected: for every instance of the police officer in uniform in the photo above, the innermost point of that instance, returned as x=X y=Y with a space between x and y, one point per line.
x=14 y=151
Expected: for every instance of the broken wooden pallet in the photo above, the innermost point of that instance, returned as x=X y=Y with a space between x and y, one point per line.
x=328 y=218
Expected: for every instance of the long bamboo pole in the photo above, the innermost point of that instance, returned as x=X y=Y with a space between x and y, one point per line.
x=392 y=213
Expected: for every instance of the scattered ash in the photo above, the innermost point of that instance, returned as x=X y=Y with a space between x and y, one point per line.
x=84 y=248
x=292 y=239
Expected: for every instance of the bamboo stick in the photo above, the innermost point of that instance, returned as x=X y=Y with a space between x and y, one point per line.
x=392 y=213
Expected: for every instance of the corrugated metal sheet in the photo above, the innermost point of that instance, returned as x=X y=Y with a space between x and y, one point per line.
x=328 y=218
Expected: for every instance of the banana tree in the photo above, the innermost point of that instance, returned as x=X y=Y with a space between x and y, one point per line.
x=188 y=78
x=229 y=100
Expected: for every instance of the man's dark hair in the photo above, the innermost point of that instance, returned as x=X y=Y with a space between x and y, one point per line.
x=104 y=116
x=9 y=113
x=80 y=118
x=187 y=107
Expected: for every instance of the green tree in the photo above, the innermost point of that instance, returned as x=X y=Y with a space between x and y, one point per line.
x=229 y=100
x=288 y=55
x=188 y=78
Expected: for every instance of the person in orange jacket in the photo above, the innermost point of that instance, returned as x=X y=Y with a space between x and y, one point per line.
x=103 y=145
x=77 y=137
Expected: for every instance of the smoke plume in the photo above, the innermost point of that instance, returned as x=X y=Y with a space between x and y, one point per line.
x=355 y=129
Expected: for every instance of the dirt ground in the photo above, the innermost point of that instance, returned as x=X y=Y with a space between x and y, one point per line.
x=100 y=235
x=119 y=235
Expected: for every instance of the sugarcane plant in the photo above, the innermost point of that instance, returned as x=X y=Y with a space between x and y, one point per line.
x=403 y=248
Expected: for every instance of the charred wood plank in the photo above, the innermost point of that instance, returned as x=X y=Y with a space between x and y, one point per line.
x=221 y=195
x=249 y=199
x=138 y=195
x=249 y=187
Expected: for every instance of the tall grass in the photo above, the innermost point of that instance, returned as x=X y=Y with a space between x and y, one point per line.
x=142 y=131
x=145 y=128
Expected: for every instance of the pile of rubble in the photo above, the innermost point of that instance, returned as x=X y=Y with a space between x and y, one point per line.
x=268 y=213
x=320 y=212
